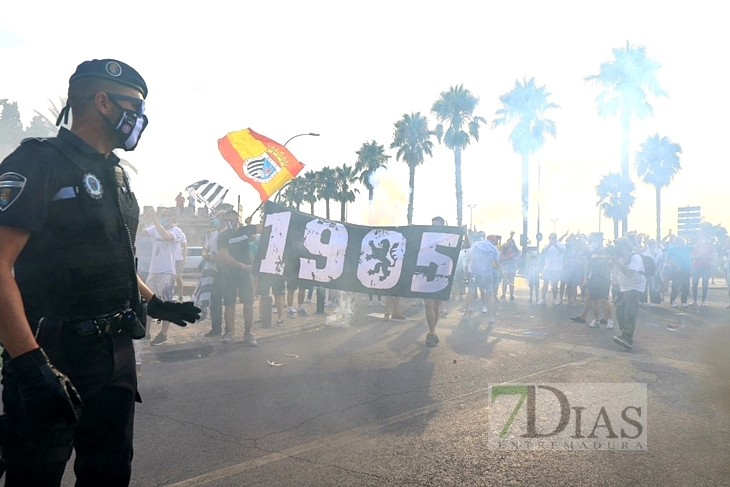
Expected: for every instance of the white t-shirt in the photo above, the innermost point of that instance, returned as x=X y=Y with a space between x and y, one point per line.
x=177 y=249
x=554 y=257
x=636 y=283
x=163 y=251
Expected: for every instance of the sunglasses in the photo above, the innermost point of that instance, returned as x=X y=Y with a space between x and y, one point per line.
x=114 y=97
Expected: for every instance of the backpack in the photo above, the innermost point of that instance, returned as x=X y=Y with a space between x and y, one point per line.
x=649 y=265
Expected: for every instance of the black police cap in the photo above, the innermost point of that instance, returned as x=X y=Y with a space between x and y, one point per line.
x=111 y=69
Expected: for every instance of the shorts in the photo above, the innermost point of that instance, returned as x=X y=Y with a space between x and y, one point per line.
x=179 y=267
x=481 y=281
x=551 y=275
x=162 y=285
x=270 y=284
x=234 y=285
x=599 y=288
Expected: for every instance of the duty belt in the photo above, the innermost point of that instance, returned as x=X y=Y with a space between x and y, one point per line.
x=97 y=326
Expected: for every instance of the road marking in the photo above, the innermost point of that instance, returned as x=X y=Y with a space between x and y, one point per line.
x=353 y=433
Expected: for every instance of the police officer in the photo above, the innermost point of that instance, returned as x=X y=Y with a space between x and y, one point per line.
x=69 y=293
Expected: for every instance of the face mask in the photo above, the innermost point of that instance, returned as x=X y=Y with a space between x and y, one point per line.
x=130 y=126
x=163 y=222
x=216 y=222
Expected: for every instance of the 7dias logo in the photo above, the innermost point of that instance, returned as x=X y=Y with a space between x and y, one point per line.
x=568 y=417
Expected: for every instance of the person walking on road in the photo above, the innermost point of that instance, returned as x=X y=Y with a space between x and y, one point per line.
x=632 y=282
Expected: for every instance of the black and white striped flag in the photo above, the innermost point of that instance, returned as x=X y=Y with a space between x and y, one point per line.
x=207 y=193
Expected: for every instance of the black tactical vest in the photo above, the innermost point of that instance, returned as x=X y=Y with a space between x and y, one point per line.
x=82 y=263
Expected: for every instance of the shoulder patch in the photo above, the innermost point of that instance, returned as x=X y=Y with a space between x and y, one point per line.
x=11 y=186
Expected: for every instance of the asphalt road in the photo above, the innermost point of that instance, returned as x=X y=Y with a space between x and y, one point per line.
x=368 y=404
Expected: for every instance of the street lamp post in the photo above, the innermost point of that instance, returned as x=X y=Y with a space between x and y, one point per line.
x=471 y=211
x=300 y=135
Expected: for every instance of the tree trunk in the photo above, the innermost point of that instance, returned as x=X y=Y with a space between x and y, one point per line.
x=411 y=190
x=615 y=228
x=658 y=215
x=625 y=132
x=343 y=203
x=311 y=208
x=525 y=197
x=457 y=178
x=327 y=208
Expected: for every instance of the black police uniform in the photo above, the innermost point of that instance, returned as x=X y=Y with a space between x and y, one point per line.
x=76 y=278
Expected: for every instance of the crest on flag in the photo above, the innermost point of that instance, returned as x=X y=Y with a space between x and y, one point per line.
x=261 y=168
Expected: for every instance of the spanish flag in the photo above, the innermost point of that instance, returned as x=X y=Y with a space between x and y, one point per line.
x=264 y=164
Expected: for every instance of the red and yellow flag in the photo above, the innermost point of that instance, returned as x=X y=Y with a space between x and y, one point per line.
x=264 y=164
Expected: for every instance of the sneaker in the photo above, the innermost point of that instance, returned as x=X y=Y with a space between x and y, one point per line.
x=273 y=311
x=432 y=340
x=397 y=316
x=279 y=322
x=694 y=303
x=444 y=313
x=302 y=312
x=577 y=319
x=685 y=305
x=541 y=302
x=623 y=343
x=512 y=298
x=213 y=333
x=228 y=337
x=329 y=304
x=484 y=309
x=609 y=324
x=593 y=324
x=491 y=320
x=704 y=304
x=503 y=298
x=291 y=313
x=249 y=340
x=159 y=340
x=257 y=321
x=386 y=317
x=529 y=301
x=674 y=304
x=556 y=302
x=308 y=300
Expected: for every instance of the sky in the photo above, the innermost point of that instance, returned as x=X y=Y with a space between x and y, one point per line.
x=349 y=71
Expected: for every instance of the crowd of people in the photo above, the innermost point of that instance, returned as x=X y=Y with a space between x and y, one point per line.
x=634 y=269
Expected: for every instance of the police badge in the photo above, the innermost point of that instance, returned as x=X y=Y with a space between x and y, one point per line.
x=11 y=185
x=92 y=185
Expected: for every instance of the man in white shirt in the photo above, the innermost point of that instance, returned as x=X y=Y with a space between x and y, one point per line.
x=481 y=261
x=161 y=279
x=631 y=281
x=553 y=270
x=180 y=252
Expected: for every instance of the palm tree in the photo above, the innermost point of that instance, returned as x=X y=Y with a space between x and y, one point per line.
x=455 y=108
x=309 y=187
x=525 y=107
x=411 y=137
x=657 y=161
x=615 y=197
x=345 y=178
x=293 y=194
x=327 y=190
x=626 y=82
x=370 y=158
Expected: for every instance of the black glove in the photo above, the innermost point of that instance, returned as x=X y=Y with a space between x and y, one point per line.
x=177 y=313
x=47 y=395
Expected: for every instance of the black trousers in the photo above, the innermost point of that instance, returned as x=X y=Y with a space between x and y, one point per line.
x=103 y=371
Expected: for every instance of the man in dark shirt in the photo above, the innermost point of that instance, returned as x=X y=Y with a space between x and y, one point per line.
x=234 y=260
